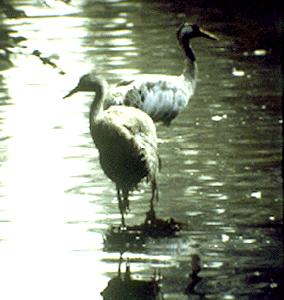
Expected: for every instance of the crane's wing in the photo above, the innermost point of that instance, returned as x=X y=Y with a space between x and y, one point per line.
x=161 y=97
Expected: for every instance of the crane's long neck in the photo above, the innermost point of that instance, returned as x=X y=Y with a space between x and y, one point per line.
x=190 y=66
x=97 y=105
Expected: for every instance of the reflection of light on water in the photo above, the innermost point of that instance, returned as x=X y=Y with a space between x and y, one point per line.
x=229 y=297
x=189 y=162
x=249 y=241
x=214 y=264
x=211 y=162
x=256 y=195
x=119 y=32
x=192 y=190
x=190 y=152
x=216 y=183
x=51 y=275
x=53 y=38
x=194 y=213
x=218 y=196
x=228 y=229
x=38 y=239
x=121 y=42
x=123 y=71
x=220 y=210
x=122 y=49
x=118 y=20
x=49 y=8
x=137 y=260
x=117 y=63
x=225 y=238
x=213 y=223
x=218 y=118
x=205 y=177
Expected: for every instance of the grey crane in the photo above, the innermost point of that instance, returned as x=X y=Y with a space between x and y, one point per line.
x=127 y=143
x=162 y=97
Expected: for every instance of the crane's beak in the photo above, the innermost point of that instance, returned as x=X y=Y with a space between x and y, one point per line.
x=207 y=35
x=73 y=91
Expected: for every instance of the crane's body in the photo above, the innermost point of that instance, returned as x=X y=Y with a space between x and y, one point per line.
x=127 y=143
x=160 y=96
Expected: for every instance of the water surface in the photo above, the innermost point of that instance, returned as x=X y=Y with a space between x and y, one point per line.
x=221 y=158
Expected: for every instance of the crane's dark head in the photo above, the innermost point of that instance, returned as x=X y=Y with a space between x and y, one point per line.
x=189 y=31
x=87 y=83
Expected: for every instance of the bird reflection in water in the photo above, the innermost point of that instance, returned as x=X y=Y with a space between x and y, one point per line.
x=123 y=287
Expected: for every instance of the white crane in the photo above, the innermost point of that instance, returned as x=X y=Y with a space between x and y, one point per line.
x=161 y=96
x=127 y=143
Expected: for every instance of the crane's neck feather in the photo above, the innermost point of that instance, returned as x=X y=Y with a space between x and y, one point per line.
x=190 y=68
x=97 y=104
x=188 y=50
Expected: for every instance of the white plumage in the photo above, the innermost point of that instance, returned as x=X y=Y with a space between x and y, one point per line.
x=127 y=143
x=162 y=97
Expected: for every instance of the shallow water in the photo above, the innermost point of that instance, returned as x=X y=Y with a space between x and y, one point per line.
x=221 y=158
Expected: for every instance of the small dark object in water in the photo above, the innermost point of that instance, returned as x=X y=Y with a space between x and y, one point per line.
x=155 y=227
x=47 y=61
x=131 y=236
x=193 y=280
x=124 y=287
x=193 y=277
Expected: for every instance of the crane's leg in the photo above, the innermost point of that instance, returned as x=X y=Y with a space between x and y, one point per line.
x=119 y=265
x=155 y=194
x=151 y=215
x=125 y=194
x=120 y=206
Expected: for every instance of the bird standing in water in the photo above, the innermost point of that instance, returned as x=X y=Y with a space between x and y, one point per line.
x=127 y=143
x=162 y=97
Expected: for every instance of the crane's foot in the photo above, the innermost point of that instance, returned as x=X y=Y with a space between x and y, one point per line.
x=122 y=227
x=150 y=217
x=125 y=237
x=157 y=227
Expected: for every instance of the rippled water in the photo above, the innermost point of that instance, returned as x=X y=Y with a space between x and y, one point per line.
x=221 y=158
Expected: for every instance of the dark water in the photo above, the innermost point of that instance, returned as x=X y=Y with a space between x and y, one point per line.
x=221 y=157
